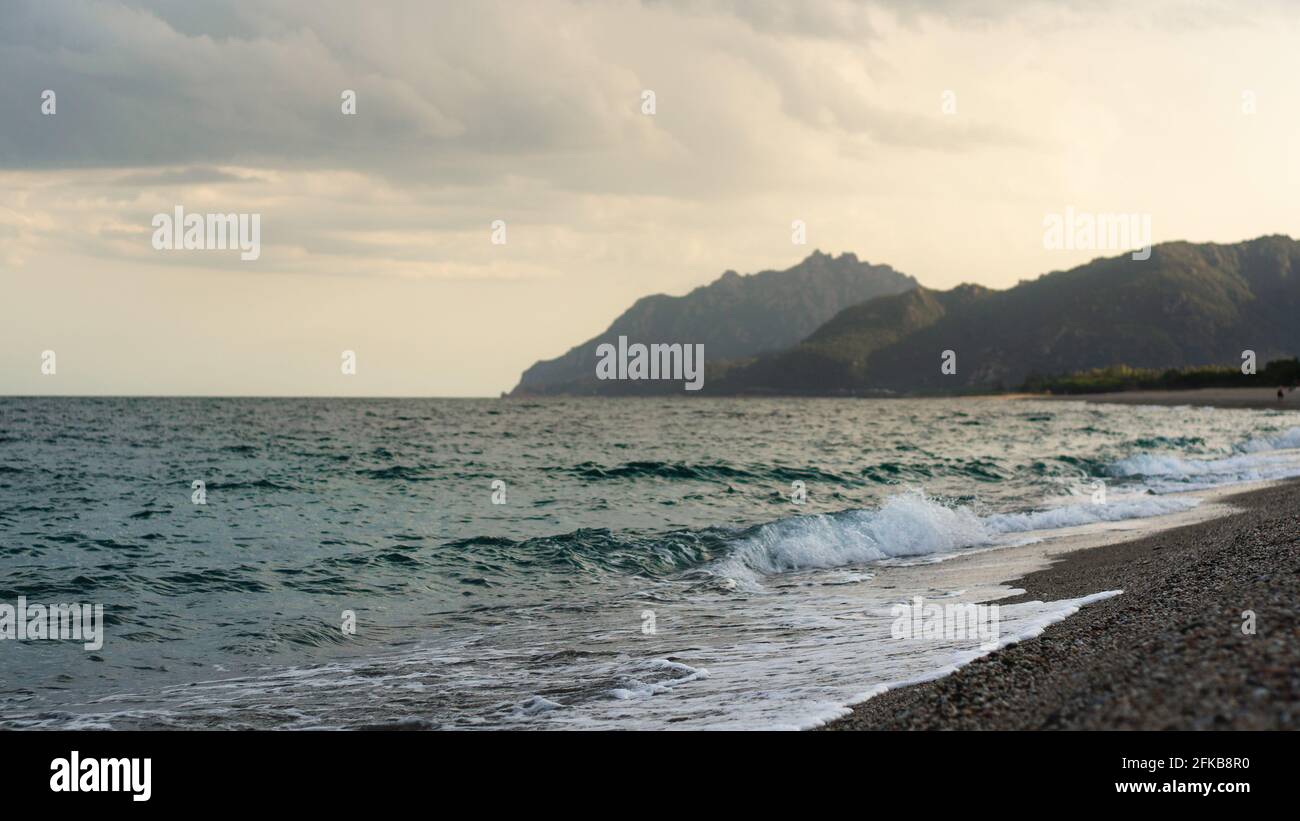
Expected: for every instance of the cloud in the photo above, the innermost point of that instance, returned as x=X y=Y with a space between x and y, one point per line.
x=465 y=115
x=447 y=93
x=194 y=175
x=767 y=111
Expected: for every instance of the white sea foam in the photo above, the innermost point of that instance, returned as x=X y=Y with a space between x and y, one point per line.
x=535 y=705
x=1257 y=460
x=1085 y=514
x=1024 y=621
x=911 y=525
x=1150 y=464
x=1286 y=440
x=666 y=674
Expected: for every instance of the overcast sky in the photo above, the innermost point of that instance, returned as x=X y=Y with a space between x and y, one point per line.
x=376 y=228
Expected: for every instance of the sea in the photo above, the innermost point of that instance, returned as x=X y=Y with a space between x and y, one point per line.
x=555 y=564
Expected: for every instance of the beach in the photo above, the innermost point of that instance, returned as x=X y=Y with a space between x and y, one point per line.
x=1199 y=397
x=1168 y=654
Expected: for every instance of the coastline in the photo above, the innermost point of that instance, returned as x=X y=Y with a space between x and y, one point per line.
x=1261 y=398
x=1169 y=653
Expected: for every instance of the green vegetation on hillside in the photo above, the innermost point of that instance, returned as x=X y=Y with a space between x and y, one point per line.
x=836 y=326
x=1279 y=372
x=1186 y=306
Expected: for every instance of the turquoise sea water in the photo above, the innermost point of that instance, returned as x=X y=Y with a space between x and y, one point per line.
x=637 y=563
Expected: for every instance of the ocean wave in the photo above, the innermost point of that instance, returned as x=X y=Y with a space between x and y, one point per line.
x=591 y=551
x=655 y=676
x=1167 y=472
x=399 y=473
x=881 y=473
x=1150 y=464
x=1257 y=459
x=1115 y=510
x=1154 y=442
x=254 y=484
x=701 y=472
x=534 y=706
x=1284 y=441
x=909 y=525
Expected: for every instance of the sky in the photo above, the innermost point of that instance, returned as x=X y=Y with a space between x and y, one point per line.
x=934 y=137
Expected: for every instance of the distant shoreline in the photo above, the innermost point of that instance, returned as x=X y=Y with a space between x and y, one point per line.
x=1262 y=398
x=1168 y=653
x=1196 y=397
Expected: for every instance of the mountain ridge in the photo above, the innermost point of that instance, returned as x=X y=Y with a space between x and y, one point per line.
x=1189 y=304
x=735 y=316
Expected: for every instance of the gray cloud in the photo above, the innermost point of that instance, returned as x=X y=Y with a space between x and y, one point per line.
x=448 y=94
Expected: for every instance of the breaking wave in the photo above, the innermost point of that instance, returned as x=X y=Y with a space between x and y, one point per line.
x=910 y=525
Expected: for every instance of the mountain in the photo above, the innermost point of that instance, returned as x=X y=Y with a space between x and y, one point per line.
x=1188 y=305
x=734 y=317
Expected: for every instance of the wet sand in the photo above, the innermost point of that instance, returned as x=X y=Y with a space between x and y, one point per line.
x=1169 y=653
